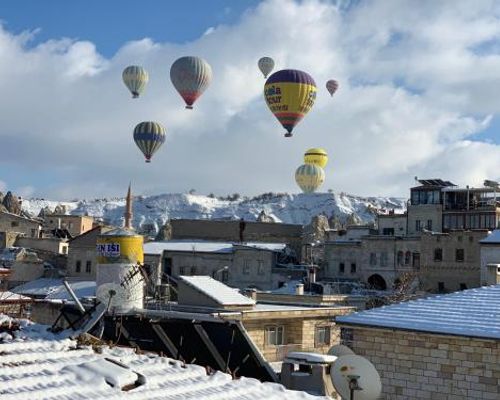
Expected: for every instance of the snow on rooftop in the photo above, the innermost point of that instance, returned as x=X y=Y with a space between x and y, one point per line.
x=471 y=313
x=202 y=246
x=54 y=289
x=42 y=367
x=9 y=296
x=493 y=237
x=216 y=290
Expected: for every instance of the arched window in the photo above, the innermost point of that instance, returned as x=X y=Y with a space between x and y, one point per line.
x=407 y=257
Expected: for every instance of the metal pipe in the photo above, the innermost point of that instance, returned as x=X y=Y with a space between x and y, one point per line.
x=73 y=296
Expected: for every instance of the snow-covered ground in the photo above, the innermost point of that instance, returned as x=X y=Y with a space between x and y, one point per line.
x=154 y=211
x=37 y=365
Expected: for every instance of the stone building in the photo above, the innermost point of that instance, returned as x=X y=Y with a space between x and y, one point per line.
x=21 y=225
x=490 y=258
x=50 y=244
x=275 y=329
x=379 y=261
x=82 y=254
x=451 y=261
x=392 y=224
x=229 y=231
x=74 y=224
x=240 y=265
x=441 y=347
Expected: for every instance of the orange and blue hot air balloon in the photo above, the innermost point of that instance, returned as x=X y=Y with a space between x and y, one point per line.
x=290 y=94
x=149 y=136
x=190 y=77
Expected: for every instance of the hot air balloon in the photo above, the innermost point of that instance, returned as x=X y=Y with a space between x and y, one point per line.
x=190 y=77
x=316 y=156
x=332 y=85
x=149 y=136
x=266 y=65
x=135 y=78
x=309 y=177
x=290 y=94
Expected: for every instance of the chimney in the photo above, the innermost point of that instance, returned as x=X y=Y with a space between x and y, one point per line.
x=128 y=209
x=299 y=289
x=58 y=223
x=312 y=275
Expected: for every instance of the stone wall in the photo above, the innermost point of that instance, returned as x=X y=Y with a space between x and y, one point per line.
x=424 y=213
x=15 y=223
x=426 y=366
x=454 y=274
x=490 y=254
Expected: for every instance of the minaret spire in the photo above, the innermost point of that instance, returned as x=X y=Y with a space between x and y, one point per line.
x=128 y=209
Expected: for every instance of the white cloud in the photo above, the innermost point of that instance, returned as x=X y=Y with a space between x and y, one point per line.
x=417 y=82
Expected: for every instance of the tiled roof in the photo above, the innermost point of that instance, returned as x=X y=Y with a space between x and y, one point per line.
x=60 y=370
x=471 y=313
x=492 y=238
x=217 y=291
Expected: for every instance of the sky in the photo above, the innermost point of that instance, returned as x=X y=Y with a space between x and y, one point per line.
x=418 y=96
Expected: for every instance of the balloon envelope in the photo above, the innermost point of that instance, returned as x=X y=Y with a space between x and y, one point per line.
x=135 y=78
x=266 y=65
x=290 y=94
x=309 y=177
x=316 y=156
x=190 y=77
x=332 y=85
x=149 y=136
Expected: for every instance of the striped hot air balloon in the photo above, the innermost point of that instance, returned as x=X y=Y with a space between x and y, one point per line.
x=290 y=94
x=136 y=79
x=332 y=85
x=309 y=177
x=266 y=65
x=149 y=136
x=316 y=156
x=190 y=77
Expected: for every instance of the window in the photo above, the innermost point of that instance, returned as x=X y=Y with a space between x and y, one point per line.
x=373 y=258
x=416 y=260
x=88 y=267
x=274 y=335
x=463 y=286
x=459 y=238
x=181 y=270
x=225 y=276
x=78 y=266
x=401 y=256
x=65 y=250
x=341 y=268
x=418 y=225
x=383 y=259
x=14 y=224
x=353 y=268
x=346 y=336
x=407 y=257
x=388 y=231
x=429 y=225
x=33 y=233
x=440 y=287
x=438 y=254
x=459 y=255
x=246 y=267
x=193 y=270
x=260 y=267
x=471 y=239
x=322 y=336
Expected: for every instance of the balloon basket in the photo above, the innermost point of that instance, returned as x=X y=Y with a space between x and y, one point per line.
x=135 y=95
x=148 y=161
x=288 y=134
x=189 y=107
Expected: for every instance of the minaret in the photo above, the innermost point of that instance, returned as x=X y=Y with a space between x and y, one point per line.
x=128 y=209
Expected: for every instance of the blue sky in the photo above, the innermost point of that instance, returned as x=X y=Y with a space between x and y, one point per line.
x=111 y=23
x=418 y=96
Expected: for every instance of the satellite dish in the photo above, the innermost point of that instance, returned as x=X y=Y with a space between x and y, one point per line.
x=111 y=294
x=355 y=378
x=340 y=350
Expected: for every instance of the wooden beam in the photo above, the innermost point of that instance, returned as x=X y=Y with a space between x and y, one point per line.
x=165 y=339
x=211 y=347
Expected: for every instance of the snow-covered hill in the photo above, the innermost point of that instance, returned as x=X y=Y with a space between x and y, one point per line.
x=153 y=211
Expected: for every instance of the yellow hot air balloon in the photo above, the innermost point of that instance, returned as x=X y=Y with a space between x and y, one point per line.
x=135 y=78
x=290 y=94
x=316 y=156
x=309 y=177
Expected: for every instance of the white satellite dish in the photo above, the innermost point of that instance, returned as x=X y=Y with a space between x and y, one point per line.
x=355 y=378
x=340 y=350
x=111 y=294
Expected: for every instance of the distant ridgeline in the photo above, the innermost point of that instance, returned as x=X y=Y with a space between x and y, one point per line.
x=150 y=213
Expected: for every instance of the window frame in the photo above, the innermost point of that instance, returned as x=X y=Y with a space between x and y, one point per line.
x=273 y=331
x=326 y=340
